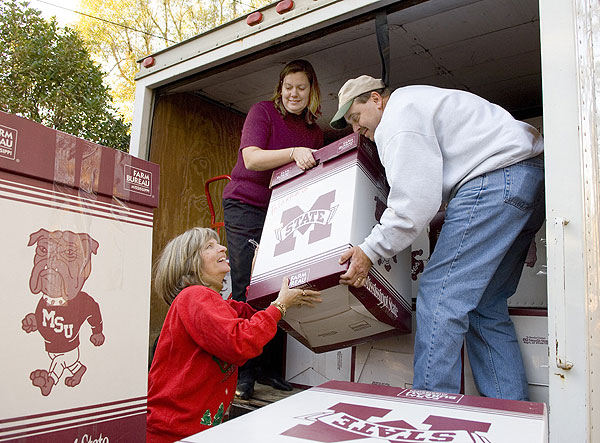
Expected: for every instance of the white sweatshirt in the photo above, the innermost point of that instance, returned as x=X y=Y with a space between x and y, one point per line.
x=431 y=141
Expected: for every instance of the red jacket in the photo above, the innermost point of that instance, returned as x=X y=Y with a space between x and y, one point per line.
x=193 y=376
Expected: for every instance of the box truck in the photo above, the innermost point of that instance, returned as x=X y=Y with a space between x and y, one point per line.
x=537 y=60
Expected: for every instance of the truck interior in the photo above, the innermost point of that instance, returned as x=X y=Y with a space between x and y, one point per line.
x=488 y=47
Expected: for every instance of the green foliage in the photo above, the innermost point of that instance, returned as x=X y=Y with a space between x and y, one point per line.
x=47 y=75
x=119 y=32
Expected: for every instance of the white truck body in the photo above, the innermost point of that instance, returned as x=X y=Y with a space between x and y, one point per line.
x=490 y=47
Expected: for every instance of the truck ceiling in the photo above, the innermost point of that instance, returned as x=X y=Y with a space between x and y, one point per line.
x=488 y=47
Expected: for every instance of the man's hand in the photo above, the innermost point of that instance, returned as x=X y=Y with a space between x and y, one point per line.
x=360 y=264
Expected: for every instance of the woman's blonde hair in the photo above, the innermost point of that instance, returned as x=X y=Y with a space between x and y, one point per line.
x=180 y=263
x=313 y=110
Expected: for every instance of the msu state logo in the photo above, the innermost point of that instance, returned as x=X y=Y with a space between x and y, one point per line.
x=347 y=422
x=294 y=220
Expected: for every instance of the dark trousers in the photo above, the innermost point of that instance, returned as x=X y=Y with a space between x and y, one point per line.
x=244 y=222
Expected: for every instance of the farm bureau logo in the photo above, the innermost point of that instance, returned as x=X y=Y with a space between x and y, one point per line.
x=8 y=142
x=138 y=180
x=347 y=422
x=294 y=219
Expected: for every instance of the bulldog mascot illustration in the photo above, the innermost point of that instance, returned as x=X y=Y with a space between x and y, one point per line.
x=61 y=265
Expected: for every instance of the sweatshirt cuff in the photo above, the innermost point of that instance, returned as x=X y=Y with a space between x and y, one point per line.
x=373 y=256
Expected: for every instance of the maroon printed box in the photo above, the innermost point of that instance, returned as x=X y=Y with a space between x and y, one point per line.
x=31 y=150
x=76 y=237
x=313 y=217
x=339 y=411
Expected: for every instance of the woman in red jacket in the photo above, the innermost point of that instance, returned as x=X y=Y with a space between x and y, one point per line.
x=204 y=338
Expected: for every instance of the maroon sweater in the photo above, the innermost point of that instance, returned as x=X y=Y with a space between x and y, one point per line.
x=193 y=376
x=266 y=128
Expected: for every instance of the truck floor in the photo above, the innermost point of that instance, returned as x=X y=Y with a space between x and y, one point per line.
x=263 y=396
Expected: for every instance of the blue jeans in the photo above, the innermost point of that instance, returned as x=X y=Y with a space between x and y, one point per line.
x=475 y=267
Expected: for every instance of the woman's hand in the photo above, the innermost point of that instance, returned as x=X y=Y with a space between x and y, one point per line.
x=258 y=159
x=289 y=297
x=303 y=157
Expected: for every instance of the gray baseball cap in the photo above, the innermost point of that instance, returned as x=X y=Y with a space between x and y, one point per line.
x=352 y=89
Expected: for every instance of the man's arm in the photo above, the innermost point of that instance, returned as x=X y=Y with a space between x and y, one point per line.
x=413 y=168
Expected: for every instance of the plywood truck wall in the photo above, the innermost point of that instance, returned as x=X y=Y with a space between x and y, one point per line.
x=192 y=141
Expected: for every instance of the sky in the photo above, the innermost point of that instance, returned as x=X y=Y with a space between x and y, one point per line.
x=58 y=8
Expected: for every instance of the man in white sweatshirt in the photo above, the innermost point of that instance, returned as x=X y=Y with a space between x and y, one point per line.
x=448 y=147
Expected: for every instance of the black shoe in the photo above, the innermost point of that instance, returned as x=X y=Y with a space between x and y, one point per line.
x=245 y=390
x=275 y=381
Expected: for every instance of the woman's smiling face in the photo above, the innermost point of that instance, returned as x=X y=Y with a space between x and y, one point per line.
x=295 y=92
x=214 y=263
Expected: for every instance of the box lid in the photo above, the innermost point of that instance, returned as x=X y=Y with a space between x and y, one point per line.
x=30 y=149
x=340 y=147
x=339 y=411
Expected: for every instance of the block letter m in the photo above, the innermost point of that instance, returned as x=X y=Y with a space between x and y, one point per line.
x=295 y=219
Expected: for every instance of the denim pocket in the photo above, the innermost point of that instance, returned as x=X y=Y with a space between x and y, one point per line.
x=524 y=183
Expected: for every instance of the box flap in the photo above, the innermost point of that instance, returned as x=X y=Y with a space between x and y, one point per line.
x=30 y=149
x=339 y=147
x=323 y=155
x=284 y=173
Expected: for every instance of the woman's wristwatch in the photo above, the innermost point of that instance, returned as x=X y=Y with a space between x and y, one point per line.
x=281 y=307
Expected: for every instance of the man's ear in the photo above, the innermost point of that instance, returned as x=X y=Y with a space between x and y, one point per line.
x=377 y=98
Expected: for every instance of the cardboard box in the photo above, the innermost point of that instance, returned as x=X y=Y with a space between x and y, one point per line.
x=386 y=362
x=342 y=411
x=305 y=368
x=313 y=217
x=75 y=268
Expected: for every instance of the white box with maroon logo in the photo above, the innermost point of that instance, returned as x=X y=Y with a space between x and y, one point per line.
x=342 y=411
x=75 y=269
x=313 y=217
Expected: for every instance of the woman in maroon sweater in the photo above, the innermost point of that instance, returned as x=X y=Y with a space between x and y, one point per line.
x=276 y=132
x=204 y=338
